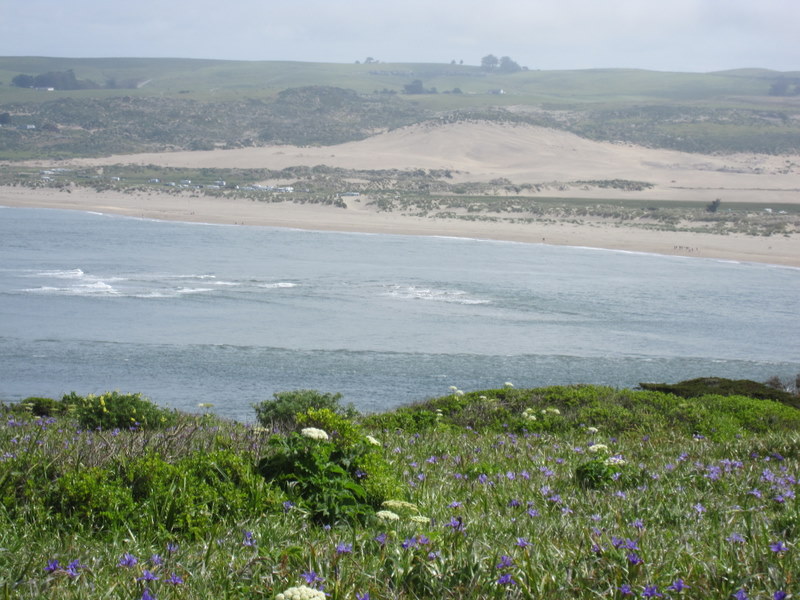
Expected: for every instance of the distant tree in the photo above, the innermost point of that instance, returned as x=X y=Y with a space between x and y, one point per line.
x=5 y=118
x=369 y=60
x=712 y=207
x=508 y=66
x=489 y=62
x=415 y=87
x=779 y=88
x=23 y=81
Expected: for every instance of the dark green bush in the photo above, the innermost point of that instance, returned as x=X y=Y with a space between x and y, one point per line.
x=406 y=419
x=702 y=386
x=115 y=410
x=92 y=497
x=279 y=413
x=42 y=407
x=188 y=497
x=334 y=480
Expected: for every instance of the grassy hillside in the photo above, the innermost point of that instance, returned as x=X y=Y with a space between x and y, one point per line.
x=147 y=104
x=562 y=492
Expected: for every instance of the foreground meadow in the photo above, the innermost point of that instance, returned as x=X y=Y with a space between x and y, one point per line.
x=579 y=492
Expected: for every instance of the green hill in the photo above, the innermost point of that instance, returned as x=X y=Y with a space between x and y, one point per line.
x=138 y=104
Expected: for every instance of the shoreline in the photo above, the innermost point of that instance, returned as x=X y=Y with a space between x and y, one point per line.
x=358 y=218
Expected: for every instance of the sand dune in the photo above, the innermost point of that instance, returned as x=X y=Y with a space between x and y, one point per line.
x=474 y=152
x=484 y=151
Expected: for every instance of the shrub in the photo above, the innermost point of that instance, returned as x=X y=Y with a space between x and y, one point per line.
x=92 y=497
x=115 y=410
x=702 y=386
x=338 y=478
x=279 y=413
x=342 y=431
x=196 y=492
x=42 y=407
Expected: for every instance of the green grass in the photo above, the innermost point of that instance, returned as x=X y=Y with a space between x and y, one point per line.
x=495 y=509
x=201 y=104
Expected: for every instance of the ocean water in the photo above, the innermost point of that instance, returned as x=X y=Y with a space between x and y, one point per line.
x=228 y=315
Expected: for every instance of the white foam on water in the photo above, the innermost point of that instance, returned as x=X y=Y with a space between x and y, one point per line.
x=276 y=285
x=453 y=296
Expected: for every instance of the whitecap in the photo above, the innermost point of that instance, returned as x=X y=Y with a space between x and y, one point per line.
x=61 y=274
x=453 y=296
x=279 y=284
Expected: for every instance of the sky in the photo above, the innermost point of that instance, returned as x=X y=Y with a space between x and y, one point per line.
x=663 y=35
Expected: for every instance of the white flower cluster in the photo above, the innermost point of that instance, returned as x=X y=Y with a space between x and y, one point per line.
x=373 y=441
x=529 y=414
x=455 y=391
x=552 y=411
x=597 y=448
x=301 y=592
x=615 y=461
x=314 y=433
x=387 y=515
x=592 y=430
x=399 y=506
x=419 y=519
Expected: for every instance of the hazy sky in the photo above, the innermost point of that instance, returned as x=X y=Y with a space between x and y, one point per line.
x=666 y=35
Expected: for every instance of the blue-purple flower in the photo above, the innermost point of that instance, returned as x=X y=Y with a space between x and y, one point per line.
x=128 y=560
x=678 y=586
x=506 y=579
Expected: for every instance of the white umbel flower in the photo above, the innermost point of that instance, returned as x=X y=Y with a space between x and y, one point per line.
x=373 y=441
x=301 y=592
x=314 y=433
x=387 y=515
x=597 y=448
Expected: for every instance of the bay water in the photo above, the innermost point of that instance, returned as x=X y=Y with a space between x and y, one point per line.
x=189 y=314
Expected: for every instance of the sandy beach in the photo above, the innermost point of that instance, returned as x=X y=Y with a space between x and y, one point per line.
x=360 y=218
x=474 y=152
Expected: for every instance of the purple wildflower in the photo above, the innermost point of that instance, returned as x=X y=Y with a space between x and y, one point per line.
x=72 y=568
x=505 y=562
x=506 y=579
x=52 y=566
x=409 y=543
x=288 y=505
x=778 y=547
x=156 y=560
x=364 y=596
x=779 y=595
x=146 y=595
x=522 y=542
x=172 y=548
x=735 y=538
x=248 y=539
x=128 y=560
x=311 y=577
x=148 y=576
x=381 y=538
x=678 y=586
x=342 y=548
x=634 y=559
x=174 y=579
x=651 y=591
x=625 y=589
x=740 y=594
